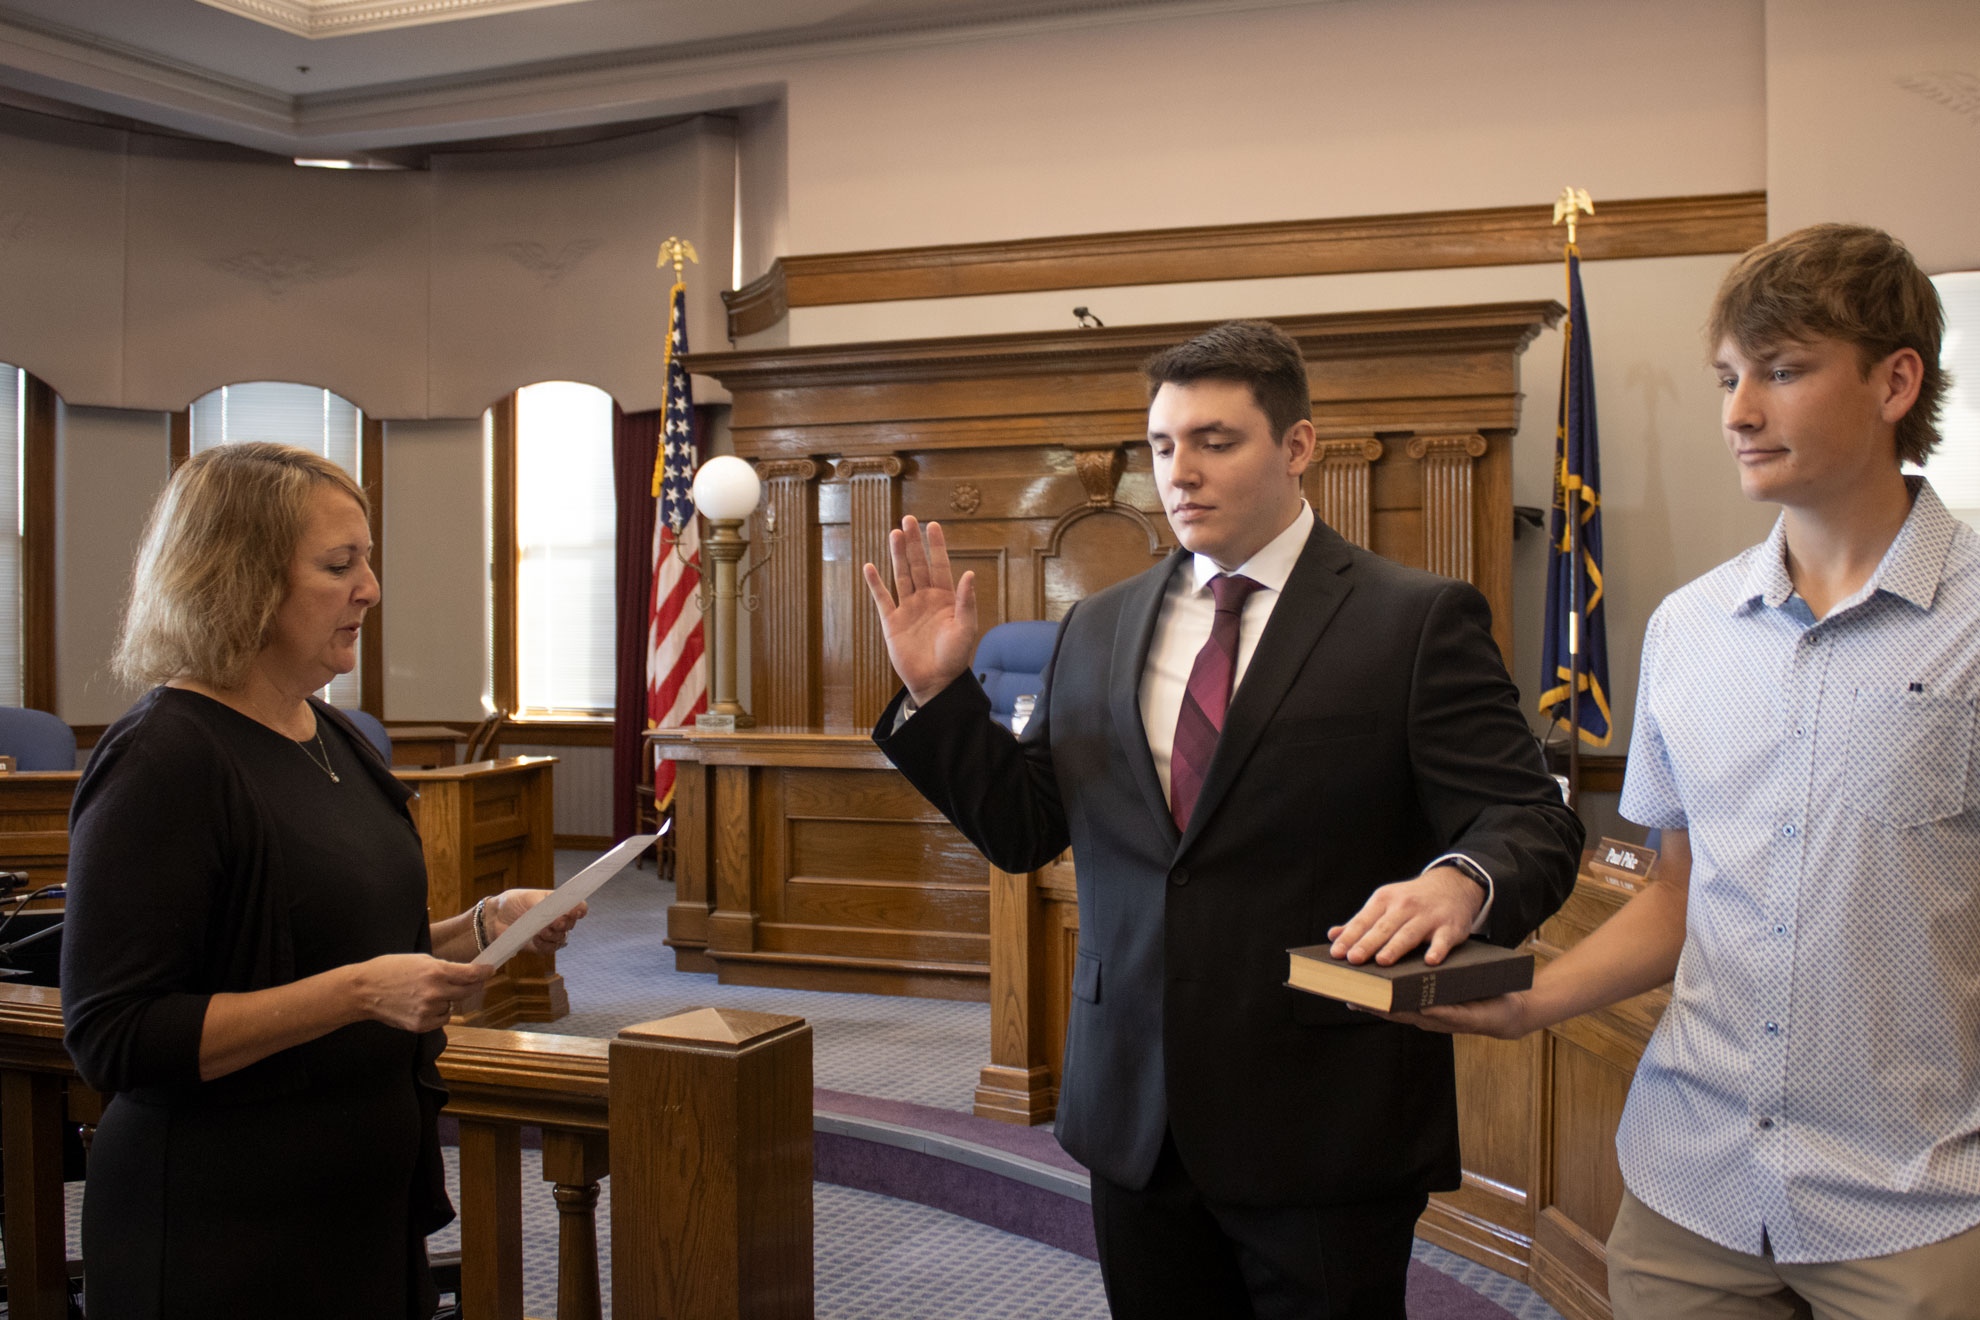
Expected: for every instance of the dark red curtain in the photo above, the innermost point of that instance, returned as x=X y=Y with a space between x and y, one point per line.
x=635 y=440
x=635 y=444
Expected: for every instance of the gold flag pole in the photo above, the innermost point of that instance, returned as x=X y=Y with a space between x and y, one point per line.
x=675 y=250
x=1568 y=206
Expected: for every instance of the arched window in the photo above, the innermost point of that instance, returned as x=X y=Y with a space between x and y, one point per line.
x=1954 y=469
x=565 y=551
x=301 y=415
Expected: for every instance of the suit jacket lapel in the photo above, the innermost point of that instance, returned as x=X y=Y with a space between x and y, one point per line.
x=1132 y=635
x=1314 y=591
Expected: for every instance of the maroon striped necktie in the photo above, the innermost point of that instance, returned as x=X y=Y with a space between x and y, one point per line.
x=1204 y=700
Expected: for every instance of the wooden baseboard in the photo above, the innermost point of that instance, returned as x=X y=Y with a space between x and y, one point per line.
x=759 y=970
x=1476 y=1239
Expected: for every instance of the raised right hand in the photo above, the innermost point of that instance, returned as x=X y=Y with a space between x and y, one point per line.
x=929 y=620
x=413 y=991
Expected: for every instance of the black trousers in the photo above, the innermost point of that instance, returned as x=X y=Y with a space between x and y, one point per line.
x=1166 y=1252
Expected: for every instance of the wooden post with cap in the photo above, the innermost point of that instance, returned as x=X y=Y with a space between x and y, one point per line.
x=710 y=1153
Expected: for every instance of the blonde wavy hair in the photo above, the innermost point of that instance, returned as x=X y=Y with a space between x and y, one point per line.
x=213 y=566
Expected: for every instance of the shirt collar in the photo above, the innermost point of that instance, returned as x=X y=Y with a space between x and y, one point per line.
x=1911 y=568
x=1271 y=566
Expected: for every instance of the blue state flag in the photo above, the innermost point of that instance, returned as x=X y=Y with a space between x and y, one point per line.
x=1575 y=651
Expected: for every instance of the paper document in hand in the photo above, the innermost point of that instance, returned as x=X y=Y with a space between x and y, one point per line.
x=563 y=898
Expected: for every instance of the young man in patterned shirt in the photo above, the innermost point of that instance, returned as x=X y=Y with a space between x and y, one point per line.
x=1803 y=1135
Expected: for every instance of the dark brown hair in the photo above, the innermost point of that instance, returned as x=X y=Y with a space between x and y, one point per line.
x=1254 y=353
x=1845 y=282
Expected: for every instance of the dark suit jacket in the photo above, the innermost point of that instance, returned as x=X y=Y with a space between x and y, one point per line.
x=1374 y=729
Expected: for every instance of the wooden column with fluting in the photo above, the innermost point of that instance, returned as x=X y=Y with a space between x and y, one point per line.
x=785 y=678
x=1342 y=485
x=711 y=1204
x=874 y=503
x=1446 y=463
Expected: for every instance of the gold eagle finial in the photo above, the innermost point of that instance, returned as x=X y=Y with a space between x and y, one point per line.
x=1571 y=200
x=675 y=250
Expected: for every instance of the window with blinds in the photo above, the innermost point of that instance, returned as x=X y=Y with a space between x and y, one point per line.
x=1954 y=469
x=13 y=386
x=299 y=415
x=566 y=530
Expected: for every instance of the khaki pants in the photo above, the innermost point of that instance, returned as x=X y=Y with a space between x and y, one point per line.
x=1661 y=1271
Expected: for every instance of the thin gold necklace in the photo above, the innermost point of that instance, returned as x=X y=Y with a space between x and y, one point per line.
x=324 y=763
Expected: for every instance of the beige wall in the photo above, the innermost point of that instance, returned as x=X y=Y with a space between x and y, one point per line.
x=110 y=464
x=436 y=575
x=1877 y=122
x=1336 y=109
x=1132 y=119
x=1278 y=113
x=142 y=271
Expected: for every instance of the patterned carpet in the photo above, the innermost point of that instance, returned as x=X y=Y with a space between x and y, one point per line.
x=879 y=1257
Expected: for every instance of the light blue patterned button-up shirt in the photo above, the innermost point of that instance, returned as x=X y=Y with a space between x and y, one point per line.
x=1817 y=1077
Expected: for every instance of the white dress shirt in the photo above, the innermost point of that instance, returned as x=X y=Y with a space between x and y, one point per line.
x=1183 y=626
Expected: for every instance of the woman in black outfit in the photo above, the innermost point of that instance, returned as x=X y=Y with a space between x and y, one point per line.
x=247 y=962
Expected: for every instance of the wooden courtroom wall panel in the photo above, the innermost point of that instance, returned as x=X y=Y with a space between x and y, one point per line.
x=804 y=860
x=1583 y=1077
x=1031 y=450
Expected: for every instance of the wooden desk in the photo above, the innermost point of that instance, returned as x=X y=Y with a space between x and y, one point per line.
x=1537 y=1118
x=34 y=824
x=805 y=860
x=486 y=826
x=425 y=746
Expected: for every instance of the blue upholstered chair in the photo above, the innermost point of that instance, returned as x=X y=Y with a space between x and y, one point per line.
x=36 y=740
x=1010 y=662
x=372 y=729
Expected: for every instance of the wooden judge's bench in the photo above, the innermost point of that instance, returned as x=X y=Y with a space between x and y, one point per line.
x=804 y=860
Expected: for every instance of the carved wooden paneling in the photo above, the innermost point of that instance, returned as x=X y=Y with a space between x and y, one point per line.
x=1092 y=548
x=1449 y=533
x=1031 y=450
x=785 y=673
x=1338 y=485
x=1421 y=240
x=873 y=490
x=34 y=823
x=485 y=827
x=830 y=871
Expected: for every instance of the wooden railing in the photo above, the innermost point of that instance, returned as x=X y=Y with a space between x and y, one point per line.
x=702 y=1120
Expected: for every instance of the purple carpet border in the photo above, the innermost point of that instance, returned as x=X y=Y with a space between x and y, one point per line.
x=988 y=1198
x=1032 y=1143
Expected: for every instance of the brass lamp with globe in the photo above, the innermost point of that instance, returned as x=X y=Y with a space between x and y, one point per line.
x=726 y=491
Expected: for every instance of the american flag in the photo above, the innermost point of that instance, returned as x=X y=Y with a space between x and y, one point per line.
x=676 y=684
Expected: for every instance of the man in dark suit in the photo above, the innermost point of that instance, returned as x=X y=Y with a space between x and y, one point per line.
x=1270 y=739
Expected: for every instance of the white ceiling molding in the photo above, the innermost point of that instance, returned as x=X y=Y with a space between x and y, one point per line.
x=338 y=18
x=621 y=85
